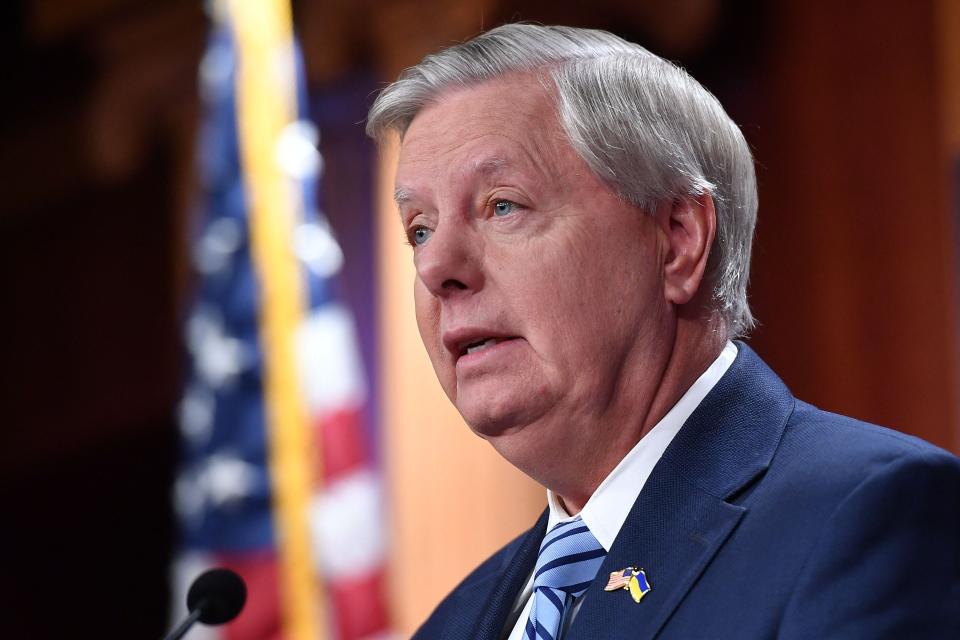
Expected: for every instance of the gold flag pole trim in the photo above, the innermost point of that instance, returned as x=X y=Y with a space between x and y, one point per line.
x=266 y=92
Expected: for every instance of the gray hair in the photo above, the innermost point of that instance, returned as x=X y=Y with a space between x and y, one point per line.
x=641 y=123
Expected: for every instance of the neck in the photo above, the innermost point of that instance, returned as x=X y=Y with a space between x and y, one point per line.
x=695 y=346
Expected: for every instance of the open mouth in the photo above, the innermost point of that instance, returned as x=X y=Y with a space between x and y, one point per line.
x=479 y=345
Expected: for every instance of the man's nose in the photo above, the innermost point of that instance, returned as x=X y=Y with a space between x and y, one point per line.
x=450 y=262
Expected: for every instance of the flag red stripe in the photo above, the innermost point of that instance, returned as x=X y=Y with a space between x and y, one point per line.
x=260 y=619
x=343 y=446
x=359 y=603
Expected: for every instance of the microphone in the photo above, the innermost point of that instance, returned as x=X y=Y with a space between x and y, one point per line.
x=216 y=596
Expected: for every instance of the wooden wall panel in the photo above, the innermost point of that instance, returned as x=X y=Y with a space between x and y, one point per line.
x=947 y=19
x=854 y=277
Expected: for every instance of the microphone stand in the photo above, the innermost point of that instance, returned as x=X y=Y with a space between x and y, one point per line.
x=184 y=626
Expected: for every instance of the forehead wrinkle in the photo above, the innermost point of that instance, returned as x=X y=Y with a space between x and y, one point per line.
x=497 y=165
x=531 y=151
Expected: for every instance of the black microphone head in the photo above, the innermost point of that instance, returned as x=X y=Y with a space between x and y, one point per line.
x=219 y=594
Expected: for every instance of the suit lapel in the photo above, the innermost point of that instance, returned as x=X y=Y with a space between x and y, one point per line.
x=672 y=533
x=482 y=608
x=685 y=512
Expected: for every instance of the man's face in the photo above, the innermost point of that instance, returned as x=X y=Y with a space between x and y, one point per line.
x=539 y=293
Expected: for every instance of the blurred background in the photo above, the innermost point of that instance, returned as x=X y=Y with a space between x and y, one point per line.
x=853 y=112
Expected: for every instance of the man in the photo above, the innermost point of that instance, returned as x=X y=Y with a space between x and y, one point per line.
x=581 y=214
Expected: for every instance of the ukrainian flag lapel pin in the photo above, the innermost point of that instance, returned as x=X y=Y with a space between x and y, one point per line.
x=630 y=579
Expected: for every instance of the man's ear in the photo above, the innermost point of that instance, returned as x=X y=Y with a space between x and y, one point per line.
x=689 y=224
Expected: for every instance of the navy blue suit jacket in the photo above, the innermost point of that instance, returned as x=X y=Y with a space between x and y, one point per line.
x=765 y=518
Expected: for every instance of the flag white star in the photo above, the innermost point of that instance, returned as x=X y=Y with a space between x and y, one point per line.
x=221 y=480
x=196 y=414
x=215 y=249
x=296 y=150
x=316 y=246
x=218 y=357
x=228 y=479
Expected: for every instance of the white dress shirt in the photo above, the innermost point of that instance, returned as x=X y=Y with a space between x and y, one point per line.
x=609 y=506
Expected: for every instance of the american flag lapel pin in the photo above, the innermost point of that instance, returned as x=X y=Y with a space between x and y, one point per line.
x=630 y=579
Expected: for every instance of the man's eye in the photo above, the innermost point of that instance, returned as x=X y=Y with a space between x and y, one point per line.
x=503 y=207
x=419 y=235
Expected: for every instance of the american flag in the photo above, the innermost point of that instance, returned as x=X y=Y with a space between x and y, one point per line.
x=619 y=580
x=238 y=495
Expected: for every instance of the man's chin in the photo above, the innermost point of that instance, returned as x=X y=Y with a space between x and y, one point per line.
x=491 y=420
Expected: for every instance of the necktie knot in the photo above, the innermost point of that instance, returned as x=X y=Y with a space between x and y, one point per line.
x=568 y=562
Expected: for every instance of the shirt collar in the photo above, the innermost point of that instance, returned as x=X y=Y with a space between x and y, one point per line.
x=608 y=507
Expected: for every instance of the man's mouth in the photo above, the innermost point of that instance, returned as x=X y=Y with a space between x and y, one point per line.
x=480 y=345
x=469 y=341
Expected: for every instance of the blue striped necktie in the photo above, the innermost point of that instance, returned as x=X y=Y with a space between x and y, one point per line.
x=569 y=559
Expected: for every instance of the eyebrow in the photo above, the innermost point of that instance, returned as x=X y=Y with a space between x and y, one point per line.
x=486 y=167
x=490 y=166
x=402 y=195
